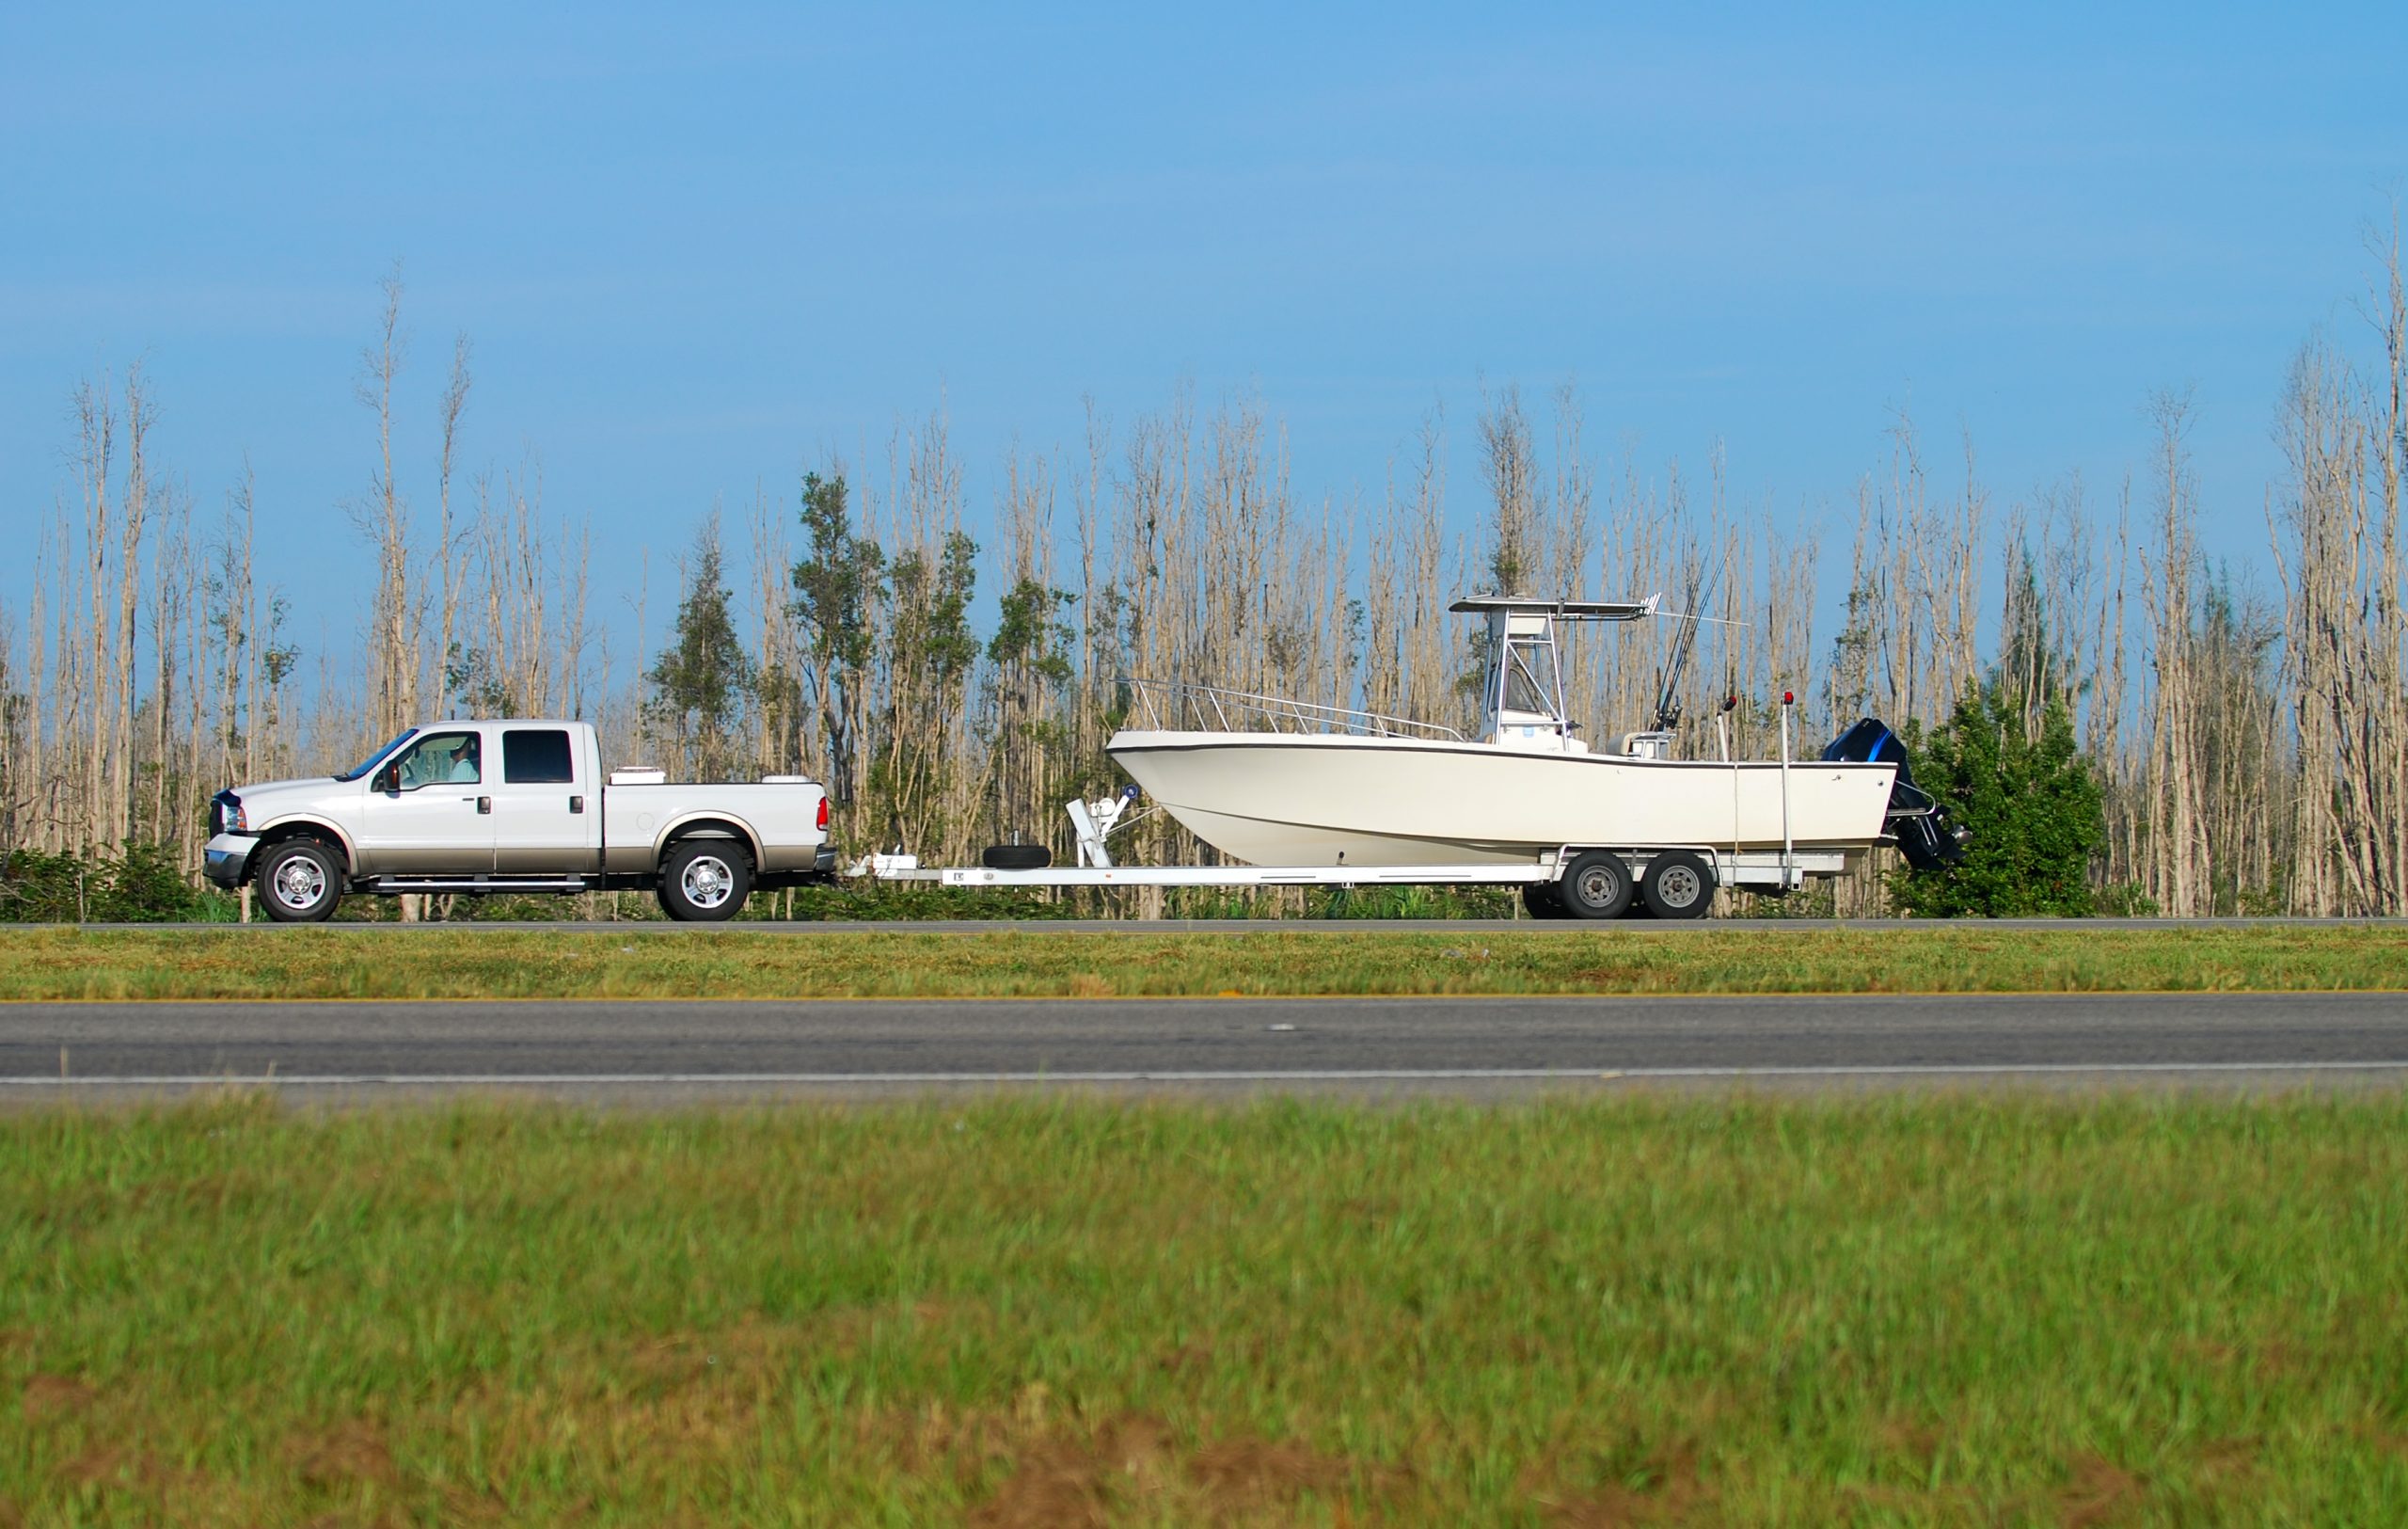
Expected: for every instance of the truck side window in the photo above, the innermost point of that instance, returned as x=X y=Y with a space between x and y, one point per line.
x=441 y=760
x=535 y=756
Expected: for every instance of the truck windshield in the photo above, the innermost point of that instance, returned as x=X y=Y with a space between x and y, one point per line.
x=367 y=764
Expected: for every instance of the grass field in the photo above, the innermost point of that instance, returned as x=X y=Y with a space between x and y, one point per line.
x=501 y=962
x=1953 y=1311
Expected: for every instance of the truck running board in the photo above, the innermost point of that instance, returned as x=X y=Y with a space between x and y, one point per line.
x=479 y=884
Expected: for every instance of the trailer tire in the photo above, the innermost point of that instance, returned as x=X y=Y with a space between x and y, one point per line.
x=1678 y=885
x=705 y=881
x=1540 y=899
x=1595 y=886
x=1016 y=858
x=300 y=881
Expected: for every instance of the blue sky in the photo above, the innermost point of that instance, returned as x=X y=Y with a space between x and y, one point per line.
x=695 y=247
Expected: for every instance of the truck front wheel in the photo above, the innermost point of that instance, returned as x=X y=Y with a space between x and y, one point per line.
x=299 y=882
x=705 y=880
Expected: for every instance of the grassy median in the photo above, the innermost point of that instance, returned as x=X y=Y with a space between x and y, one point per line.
x=400 y=962
x=1901 y=1311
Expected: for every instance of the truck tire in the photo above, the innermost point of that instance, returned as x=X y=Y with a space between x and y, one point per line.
x=704 y=881
x=1595 y=886
x=1016 y=858
x=1678 y=885
x=300 y=881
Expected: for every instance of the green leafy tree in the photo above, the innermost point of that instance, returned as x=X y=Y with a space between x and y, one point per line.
x=835 y=586
x=931 y=652
x=474 y=682
x=1028 y=681
x=701 y=685
x=2028 y=800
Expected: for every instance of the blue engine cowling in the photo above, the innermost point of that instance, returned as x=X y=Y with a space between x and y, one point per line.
x=1920 y=824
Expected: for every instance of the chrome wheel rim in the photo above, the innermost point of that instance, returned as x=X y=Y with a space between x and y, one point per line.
x=708 y=880
x=1678 y=886
x=299 y=883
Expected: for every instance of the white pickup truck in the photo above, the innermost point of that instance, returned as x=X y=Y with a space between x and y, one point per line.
x=513 y=806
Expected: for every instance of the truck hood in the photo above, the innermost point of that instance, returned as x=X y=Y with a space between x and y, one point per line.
x=273 y=799
x=306 y=785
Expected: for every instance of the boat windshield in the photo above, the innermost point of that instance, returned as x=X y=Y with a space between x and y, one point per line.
x=1523 y=693
x=367 y=764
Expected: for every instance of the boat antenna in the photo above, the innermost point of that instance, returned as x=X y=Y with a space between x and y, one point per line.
x=1676 y=663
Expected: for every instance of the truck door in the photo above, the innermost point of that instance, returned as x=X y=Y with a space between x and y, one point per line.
x=545 y=820
x=426 y=813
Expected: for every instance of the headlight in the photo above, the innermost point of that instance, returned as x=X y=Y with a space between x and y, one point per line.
x=226 y=813
x=239 y=822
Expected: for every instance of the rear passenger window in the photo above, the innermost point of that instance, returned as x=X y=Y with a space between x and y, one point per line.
x=533 y=756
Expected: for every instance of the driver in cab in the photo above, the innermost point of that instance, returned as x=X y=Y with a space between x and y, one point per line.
x=450 y=759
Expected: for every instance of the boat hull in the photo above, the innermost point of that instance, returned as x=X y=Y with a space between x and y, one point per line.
x=1271 y=799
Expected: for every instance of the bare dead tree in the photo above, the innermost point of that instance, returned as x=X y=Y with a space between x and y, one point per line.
x=383 y=518
x=447 y=571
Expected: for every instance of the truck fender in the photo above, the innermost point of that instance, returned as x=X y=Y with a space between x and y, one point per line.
x=304 y=827
x=686 y=827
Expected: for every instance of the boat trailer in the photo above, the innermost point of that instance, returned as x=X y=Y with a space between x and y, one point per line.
x=1578 y=881
x=1774 y=872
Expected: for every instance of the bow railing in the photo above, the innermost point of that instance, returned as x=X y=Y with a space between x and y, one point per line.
x=1177 y=706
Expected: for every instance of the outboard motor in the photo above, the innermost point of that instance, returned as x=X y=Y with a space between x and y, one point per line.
x=1920 y=824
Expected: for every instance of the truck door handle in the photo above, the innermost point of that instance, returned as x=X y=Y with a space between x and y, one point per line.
x=577 y=803
x=484 y=804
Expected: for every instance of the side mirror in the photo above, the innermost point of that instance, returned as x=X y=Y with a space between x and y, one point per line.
x=388 y=779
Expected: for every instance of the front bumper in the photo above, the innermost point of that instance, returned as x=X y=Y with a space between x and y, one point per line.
x=228 y=858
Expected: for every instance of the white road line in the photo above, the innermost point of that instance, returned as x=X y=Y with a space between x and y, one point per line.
x=1370 y=1075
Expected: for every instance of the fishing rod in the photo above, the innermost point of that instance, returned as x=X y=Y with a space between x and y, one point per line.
x=1676 y=663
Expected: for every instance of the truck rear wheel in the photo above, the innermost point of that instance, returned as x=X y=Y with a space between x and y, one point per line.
x=705 y=880
x=300 y=881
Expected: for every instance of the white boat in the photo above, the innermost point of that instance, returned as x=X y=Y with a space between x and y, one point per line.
x=1271 y=782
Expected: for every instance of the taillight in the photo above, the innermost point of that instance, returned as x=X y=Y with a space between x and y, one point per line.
x=823 y=812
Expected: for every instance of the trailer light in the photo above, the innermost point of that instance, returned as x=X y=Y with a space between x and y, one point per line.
x=823 y=812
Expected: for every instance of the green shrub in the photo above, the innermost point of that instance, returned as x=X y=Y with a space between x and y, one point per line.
x=2029 y=803
x=142 y=885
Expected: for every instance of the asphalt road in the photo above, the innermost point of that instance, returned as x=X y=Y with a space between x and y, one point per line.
x=1475 y=1047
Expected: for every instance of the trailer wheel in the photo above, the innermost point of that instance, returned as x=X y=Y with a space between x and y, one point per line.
x=1595 y=886
x=705 y=880
x=300 y=881
x=1678 y=885
x=1540 y=899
